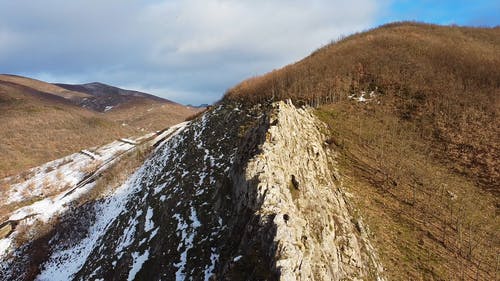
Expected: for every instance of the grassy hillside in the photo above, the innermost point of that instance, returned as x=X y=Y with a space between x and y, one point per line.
x=446 y=80
x=37 y=125
x=43 y=87
x=412 y=110
x=428 y=222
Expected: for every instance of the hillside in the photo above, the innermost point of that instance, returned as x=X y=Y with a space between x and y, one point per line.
x=41 y=122
x=445 y=80
x=375 y=158
x=43 y=87
x=413 y=111
x=105 y=97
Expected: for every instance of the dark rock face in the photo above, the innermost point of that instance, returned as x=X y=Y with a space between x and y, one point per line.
x=182 y=216
x=295 y=182
x=181 y=221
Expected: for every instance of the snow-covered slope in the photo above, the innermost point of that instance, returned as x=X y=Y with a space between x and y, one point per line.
x=45 y=192
x=238 y=194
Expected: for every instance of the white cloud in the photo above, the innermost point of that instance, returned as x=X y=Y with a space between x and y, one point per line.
x=8 y=40
x=200 y=47
x=279 y=28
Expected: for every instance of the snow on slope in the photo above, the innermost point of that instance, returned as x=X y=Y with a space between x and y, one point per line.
x=54 y=185
x=167 y=220
x=215 y=201
x=65 y=263
x=62 y=173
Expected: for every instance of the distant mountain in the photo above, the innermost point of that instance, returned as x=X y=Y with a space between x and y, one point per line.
x=104 y=97
x=94 y=96
x=203 y=105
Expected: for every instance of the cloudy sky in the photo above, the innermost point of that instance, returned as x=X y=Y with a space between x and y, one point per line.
x=191 y=51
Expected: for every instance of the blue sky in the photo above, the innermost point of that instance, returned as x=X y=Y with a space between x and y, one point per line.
x=192 y=51
x=461 y=12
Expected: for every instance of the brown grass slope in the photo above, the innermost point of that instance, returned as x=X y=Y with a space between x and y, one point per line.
x=42 y=87
x=421 y=157
x=38 y=126
x=445 y=79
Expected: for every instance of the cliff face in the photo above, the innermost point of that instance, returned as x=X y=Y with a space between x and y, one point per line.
x=296 y=186
x=238 y=194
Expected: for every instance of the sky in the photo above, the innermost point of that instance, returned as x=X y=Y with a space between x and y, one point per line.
x=192 y=51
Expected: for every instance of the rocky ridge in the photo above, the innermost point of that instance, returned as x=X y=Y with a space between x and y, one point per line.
x=241 y=193
x=317 y=238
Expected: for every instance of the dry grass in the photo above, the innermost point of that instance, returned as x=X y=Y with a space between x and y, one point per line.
x=197 y=114
x=427 y=221
x=116 y=175
x=445 y=79
x=28 y=233
x=422 y=159
x=91 y=167
x=150 y=116
x=42 y=86
x=36 y=129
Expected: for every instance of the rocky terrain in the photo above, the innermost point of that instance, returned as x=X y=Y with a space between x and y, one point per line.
x=412 y=111
x=237 y=194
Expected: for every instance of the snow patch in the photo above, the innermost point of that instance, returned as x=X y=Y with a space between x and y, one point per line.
x=139 y=260
x=209 y=270
x=4 y=246
x=362 y=97
x=187 y=238
x=149 y=224
x=64 y=263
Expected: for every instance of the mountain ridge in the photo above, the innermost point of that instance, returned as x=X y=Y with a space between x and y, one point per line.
x=106 y=96
x=445 y=79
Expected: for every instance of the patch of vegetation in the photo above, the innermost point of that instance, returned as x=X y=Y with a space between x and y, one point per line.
x=96 y=122
x=117 y=174
x=428 y=221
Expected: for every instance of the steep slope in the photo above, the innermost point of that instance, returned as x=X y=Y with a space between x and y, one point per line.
x=36 y=200
x=412 y=110
x=231 y=196
x=258 y=189
x=41 y=122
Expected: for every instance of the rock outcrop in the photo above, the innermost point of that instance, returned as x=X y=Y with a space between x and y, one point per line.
x=316 y=237
x=242 y=193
